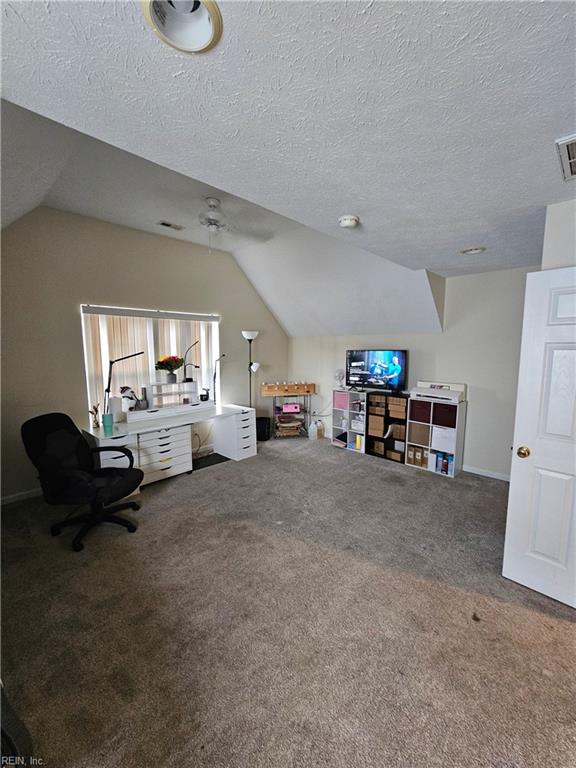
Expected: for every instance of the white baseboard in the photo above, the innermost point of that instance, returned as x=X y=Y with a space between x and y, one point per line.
x=486 y=473
x=21 y=496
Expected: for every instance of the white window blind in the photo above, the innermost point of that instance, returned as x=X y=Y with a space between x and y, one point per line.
x=113 y=332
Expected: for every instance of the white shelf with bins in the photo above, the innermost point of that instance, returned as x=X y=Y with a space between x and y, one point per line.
x=435 y=434
x=349 y=420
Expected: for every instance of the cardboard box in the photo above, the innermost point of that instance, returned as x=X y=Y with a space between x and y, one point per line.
x=394 y=455
x=376 y=426
x=418 y=457
x=410 y=455
x=378 y=447
x=399 y=446
x=399 y=431
x=377 y=410
x=419 y=433
x=395 y=413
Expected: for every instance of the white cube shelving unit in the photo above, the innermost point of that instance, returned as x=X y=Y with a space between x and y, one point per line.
x=435 y=428
x=349 y=420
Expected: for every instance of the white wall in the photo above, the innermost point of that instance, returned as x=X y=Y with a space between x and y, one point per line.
x=314 y=281
x=560 y=236
x=54 y=261
x=480 y=346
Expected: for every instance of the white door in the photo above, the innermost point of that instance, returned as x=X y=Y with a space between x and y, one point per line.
x=540 y=545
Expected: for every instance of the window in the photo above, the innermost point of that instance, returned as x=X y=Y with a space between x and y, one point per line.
x=113 y=332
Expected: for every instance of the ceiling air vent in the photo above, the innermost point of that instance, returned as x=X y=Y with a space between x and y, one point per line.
x=567 y=154
x=169 y=225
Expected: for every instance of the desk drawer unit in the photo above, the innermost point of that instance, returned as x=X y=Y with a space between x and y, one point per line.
x=165 y=453
x=235 y=437
x=111 y=459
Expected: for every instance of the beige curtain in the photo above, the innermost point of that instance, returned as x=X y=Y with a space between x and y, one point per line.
x=108 y=337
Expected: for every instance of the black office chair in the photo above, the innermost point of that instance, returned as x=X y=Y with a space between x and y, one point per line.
x=68 y=475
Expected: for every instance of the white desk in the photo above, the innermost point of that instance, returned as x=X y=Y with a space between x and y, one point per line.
x=162 y=445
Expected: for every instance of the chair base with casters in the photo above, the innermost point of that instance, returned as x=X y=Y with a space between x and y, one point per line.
x=97 y=515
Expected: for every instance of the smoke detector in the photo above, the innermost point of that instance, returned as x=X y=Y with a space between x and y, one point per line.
x=213 y=218
x=567 y=154
x=473 y=251
x=349 y=221
x=191 y=26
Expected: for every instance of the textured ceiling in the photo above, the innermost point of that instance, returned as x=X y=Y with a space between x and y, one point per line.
x=45 y=162
x=434 y=121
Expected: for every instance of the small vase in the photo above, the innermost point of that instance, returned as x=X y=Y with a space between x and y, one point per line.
x=171 y=378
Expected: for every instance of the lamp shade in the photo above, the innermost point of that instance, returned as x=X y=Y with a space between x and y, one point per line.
x=250 y=335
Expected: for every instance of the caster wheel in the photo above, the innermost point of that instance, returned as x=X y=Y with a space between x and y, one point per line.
x=132 y=528
x=55 y=531
x=135 y=506
x=77 y=546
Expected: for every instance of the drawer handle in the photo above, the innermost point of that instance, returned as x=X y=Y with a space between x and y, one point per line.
x=248 y=427
x=163 y=461
x=163 y=444
x=245 y=437
x=166 y=451
x=163 y=469
x=245 y=447
x=244 y=419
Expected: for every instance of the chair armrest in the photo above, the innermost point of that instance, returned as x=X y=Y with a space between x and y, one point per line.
x=118 y=449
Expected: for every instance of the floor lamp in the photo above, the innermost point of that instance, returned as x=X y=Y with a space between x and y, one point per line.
x=252 y=366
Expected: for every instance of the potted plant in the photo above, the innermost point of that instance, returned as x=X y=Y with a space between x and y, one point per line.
x=170 y=363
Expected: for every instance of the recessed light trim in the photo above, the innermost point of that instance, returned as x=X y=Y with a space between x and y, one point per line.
x=473 y=251
x=191 y=26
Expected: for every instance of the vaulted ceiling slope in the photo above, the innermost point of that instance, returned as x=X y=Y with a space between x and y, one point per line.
x=434 y=121
x=86 y=176
x=46 y=162
x=317 y=285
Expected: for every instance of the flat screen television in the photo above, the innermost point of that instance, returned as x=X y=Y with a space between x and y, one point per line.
x=377 y=369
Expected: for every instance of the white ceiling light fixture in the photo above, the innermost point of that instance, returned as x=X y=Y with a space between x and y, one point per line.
x=349 y=221
x=473 y=251
x=192 y=26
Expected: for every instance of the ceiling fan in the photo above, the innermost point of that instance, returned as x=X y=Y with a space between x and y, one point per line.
x=213 y=218
x=253 y=225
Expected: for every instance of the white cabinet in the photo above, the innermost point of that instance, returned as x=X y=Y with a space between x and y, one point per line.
x=110 y=459
x=165 y=452
x=235 y=437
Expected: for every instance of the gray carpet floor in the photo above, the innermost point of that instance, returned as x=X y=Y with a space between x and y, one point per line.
x=307 y=607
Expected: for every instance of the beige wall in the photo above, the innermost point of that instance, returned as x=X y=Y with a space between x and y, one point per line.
x=559 y=248
x=54 y=261
x=480 y=346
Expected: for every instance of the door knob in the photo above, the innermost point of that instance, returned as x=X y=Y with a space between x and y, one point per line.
x=523 y=452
